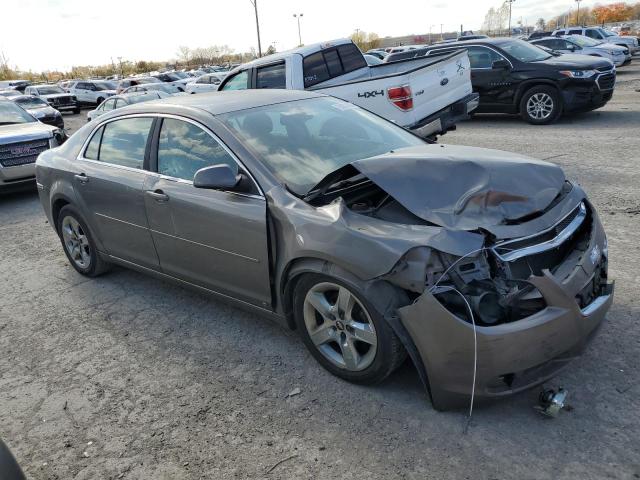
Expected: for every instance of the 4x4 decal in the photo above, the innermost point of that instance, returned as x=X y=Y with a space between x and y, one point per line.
x=371 y=94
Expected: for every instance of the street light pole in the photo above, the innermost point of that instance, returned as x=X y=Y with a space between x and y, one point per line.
x=255 y=7
x=578 y=13
x=441 y=37
x=510 y=2
x=298 y=16
x=430 y=27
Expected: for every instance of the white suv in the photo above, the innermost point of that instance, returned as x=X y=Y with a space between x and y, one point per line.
x=92 y=92
x=599 y=33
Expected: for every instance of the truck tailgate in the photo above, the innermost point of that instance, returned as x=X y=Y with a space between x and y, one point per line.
x=434 y=86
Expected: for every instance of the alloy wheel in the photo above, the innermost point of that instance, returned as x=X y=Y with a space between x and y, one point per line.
x=540 y=106
x=76 y=242
x=340 y=327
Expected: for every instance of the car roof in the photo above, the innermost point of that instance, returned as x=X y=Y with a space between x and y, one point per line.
x=218 y=103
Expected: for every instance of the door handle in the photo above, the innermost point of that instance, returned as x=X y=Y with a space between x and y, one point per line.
x=82 y=178
x=158 y=195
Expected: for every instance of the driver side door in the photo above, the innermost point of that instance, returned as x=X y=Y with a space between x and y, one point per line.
x=495 y=85
x=211 y=238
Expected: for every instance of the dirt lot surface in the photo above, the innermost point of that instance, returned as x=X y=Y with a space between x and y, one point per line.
x=124 y=376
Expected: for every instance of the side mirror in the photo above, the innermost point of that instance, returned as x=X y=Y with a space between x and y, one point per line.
x=218 y=177
x=571 y=48
x=501 y=65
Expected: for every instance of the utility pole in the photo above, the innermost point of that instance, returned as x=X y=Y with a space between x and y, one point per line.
x=441 y=37
x=510 y=2
x=255 y=7
x=430 y=27
x=299 y=16
x=578 y=13
x=120 y=62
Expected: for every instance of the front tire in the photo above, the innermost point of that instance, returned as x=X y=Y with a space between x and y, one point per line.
x=343 y=330
x=78 y=244
x=541 y=105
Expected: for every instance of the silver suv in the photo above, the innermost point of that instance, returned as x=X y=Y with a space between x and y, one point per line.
x=599 y=33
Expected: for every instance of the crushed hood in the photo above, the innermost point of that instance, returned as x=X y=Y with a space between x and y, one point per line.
x=464 y=188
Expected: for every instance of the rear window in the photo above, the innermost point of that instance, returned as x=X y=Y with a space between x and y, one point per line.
x=272 y=76
x=351 y=57
x=331 y=63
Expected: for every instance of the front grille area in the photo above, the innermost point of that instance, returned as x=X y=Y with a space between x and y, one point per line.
x=22 y=153
x=531 y=256
x=605 y=69
x=505 y=248
x=61 y=100
x=607 y=81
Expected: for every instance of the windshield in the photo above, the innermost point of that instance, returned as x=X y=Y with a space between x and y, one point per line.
x=31 y=102
x=523 y=51
x=9 y=93
x=104 y=86
x=607 y=33
x=164 y=87
x=10 y=113
x=302 y=142
x=50 y=90
x=181 y=75
x=585 y=41
x=142 y=97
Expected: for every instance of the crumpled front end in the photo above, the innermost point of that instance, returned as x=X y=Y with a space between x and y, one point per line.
x=536 y=302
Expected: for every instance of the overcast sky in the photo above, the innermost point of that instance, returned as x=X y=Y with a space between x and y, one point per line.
x=56 y=34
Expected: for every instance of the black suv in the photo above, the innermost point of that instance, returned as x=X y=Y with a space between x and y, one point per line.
x=513 y=76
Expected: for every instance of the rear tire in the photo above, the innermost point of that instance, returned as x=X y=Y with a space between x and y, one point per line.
x=541 y=105
x=78 y=244
x=354 y=343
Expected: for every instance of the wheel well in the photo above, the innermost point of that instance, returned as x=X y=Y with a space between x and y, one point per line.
x=58 y=205
x=525 y=88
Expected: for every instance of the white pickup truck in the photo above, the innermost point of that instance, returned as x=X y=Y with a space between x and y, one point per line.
x=427 y=95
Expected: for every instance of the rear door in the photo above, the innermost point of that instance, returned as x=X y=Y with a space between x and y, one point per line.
x=211 y=238
x=109 y=182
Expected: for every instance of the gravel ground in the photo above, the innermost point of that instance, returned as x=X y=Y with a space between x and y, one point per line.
x=128 y=377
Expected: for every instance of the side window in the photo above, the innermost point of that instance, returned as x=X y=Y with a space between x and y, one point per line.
x=204 y=79
x=81 y=86
x=351 y=57
x=124 y=142
x=93 y=149
x=119 y=103
x=575 y=31
x=272 y=76
x=314 y=69
x=593 y=33
x=109 y=104
x=544 y=43
x=238 y=82
x=184 y=148
x=481 y=57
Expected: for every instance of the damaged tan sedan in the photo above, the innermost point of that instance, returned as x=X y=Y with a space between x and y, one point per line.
x=370 y=242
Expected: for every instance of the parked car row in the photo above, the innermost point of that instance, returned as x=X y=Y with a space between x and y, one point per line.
x=517 y=77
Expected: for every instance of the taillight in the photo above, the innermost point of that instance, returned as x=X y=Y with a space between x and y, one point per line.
x=401 y=97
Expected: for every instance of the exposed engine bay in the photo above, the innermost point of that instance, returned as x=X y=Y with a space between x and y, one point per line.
x=493 y=279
